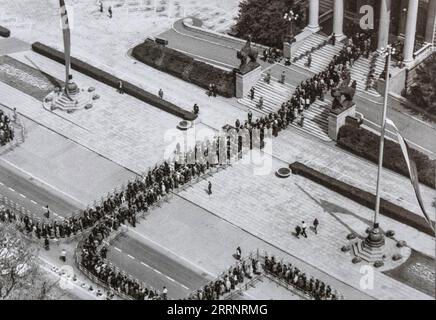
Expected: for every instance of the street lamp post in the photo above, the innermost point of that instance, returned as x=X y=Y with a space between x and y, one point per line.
x=375 y=238
x=290 y=17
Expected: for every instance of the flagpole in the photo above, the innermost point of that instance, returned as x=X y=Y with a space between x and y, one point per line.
x=382 y=135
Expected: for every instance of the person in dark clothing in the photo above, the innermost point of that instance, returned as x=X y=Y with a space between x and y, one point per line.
x=315 y=225
x=209 y=188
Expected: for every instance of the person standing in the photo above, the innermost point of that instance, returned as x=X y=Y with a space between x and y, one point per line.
x=260 y=103
x=63 y=256
x=249 y=116
x=282 y=78
x=297 y=231
x=303 y=229
x=209 y=188
x=47 y=212
x=101 y=6
x=120 y=87
x=164 y=293
x=252 y=93
x=109 y=10
x=309 y=60
x=315 y=225
x=161 y=93
x=238 y=253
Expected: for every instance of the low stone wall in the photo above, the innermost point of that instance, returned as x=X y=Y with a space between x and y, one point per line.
x=362 y=197
x=113 y=81
x=4 y=32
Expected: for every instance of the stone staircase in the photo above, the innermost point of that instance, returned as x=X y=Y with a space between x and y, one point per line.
x=275 y=93
x=360 y=71
x=320 y=58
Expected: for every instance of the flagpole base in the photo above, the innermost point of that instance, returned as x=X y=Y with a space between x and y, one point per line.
x=372 y=248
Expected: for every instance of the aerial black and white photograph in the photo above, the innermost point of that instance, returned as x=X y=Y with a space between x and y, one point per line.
x=219 y=153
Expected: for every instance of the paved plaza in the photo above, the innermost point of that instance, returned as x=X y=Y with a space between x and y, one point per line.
x=107 y=212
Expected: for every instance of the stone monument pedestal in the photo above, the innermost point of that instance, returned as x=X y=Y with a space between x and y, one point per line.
x=246 y=80
x=76 y=99
x=337 y=118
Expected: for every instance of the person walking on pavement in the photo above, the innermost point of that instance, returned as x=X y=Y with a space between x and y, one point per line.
x=47 y=212
x=315 y=225
x=120 y=87
x=282 y=78
x=297 y=231
x=164 y=293
x=252 y=93
x=303 y=229
x=161 y=93
x=63 y=256
x=109 y=10
x=101 y=6
x=238 y=253
x=209 y=188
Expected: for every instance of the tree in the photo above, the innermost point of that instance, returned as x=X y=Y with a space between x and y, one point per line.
x=263 y=20
x=20 y=275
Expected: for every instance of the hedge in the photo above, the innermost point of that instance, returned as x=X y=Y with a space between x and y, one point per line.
x=113 y=81
x=366 y=144
x=362 y=197
x=6 y=33
x=185 y=67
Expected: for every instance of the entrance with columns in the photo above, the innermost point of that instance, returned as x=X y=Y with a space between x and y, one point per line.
x=408 y=23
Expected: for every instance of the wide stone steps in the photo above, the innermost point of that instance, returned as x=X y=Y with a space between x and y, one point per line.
x=320 y=58
x=360 y=71
x=275 y=93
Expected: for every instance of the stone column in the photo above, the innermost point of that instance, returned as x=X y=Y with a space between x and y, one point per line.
x=313 y=16
x=338 y=18
x=409 y=41
x=383 y=25
x=431 y=16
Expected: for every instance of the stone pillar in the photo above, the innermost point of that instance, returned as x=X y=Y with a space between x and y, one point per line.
x=409 y=41
x=313 y=16
x=338 y=18
x=431 y=19
x=383 y=25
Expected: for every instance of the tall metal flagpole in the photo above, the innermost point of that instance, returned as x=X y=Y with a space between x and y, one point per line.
x=67 y=42
x=382 y=135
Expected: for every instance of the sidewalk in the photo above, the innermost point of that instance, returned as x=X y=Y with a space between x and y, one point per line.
x=270 y=208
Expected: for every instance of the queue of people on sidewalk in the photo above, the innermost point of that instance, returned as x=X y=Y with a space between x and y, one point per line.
x=6 y=131
x=244 y=270
x=307 y=92
x=292 y=275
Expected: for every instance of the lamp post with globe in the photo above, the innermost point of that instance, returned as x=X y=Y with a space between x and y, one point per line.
x=290 y=17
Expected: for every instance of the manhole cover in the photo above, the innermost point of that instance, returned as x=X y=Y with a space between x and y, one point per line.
x=283 y=172
x=184 y=125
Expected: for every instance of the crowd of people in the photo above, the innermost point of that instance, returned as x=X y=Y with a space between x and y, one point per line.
x=295 y=277
x=307 y=92
x=6 y=132
x=272 y=55
x=245 y=269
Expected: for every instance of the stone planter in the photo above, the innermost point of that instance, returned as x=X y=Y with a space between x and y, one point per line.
x=184 y=125
x=283 y=173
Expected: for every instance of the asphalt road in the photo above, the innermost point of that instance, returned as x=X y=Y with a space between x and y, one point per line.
x=152 y=267
x=32 y=196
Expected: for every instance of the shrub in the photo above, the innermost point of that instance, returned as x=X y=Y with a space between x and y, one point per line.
x=113 y=81
x=366 y=144
x=185 y=67
x=6 y=33
x=362 y=197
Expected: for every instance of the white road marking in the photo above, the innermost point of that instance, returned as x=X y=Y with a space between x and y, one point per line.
x=119 y=250
x=157 y=271
x=43 y=182
x=1 y=183
x=144 y=264
x=171 y=279
x=22 y=195
x=131 y=257
x=33 y=201
x=173 y=253
x=13 y=190
x=185 y=287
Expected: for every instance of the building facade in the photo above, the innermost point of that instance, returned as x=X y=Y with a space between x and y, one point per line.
x=410 y=23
